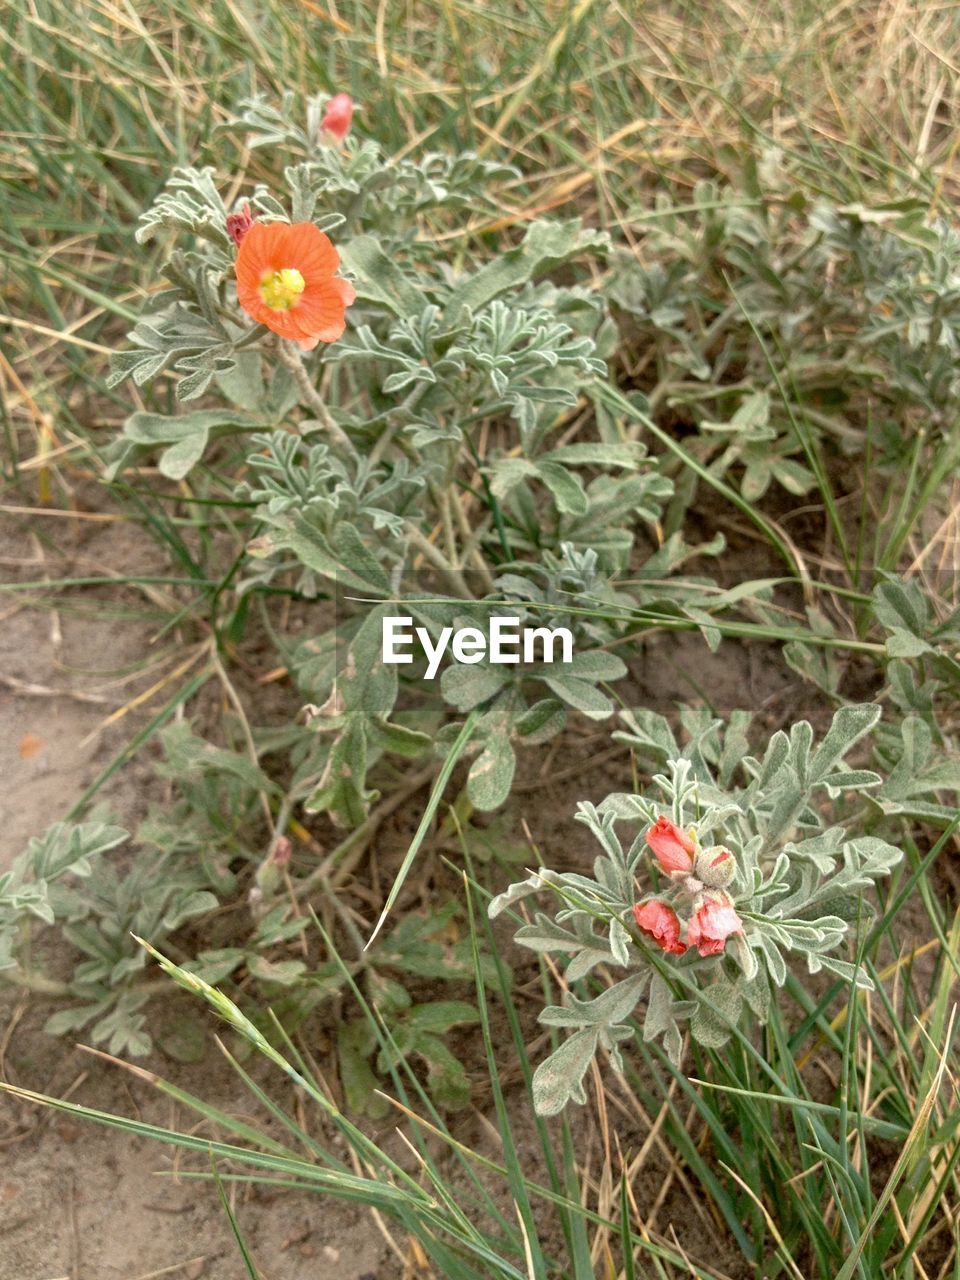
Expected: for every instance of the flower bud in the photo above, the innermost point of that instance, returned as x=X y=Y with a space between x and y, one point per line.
x=238 y=224
x=660 y=923
x=715 y=867
x=714 y=921
x=339 y=113
x=671 y=846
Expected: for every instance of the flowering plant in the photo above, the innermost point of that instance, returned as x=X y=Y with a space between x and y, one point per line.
x=370 y=410
x=432 y=433
x=750 y=869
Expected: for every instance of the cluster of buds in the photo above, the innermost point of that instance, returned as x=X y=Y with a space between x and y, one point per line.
x=699 y=879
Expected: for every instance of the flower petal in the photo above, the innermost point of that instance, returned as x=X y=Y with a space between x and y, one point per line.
x=321 y=312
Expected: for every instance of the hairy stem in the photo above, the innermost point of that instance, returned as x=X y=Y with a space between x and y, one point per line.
x=292 y=359
x=470 y=542
x=451 y=575
x=36 y=983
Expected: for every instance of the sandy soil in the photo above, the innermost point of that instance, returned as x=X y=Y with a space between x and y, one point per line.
x=77 y=1201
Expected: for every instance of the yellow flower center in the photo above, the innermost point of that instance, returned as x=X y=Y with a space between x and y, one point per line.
x=281 y=290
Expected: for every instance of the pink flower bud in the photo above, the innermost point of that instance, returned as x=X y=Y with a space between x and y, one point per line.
x=659 y=922
x=713 y=922
x=339 y=113
x=281 y=851
x=672 y=847
x=238 y=224
x=715 y=867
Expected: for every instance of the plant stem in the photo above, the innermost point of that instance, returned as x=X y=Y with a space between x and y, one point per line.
x=291 y=357
x=451 y=576
x=37 y=983
x=470 y=542
x=442 y=502
x=247 y=737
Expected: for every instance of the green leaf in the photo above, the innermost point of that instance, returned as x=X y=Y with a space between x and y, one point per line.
x=200 y=903
x=491 y=775
x=756 y=480
x=447 y=1075
x=596 y=664
x=649 y=732
x=904 y=644
x=216 y=965
x=379 y=279
x=507 y=473
x=356 y=1075
x=716 y=1015
x=567 y=490
x=540 y=722
x=558 y=1079
x=545 y=245
x=399 y=740
x=439 y=1016
x=466 y=687
x=73 y=1019
x=180 y=459
x=243 y=385
x=187 y=435
x=849 y=725
x=795 y=478
x=627 y=455
x=66 y=848
x=581 y=695
x=283 y=973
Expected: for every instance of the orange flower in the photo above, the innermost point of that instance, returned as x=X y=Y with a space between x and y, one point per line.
x=286 y=279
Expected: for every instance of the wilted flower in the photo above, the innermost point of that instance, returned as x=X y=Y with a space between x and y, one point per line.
x=286 y=279
x=339 y=113
x=672 y=847
x=714 y=867
x=238 y=224
x=713 y=922
x=659 y=922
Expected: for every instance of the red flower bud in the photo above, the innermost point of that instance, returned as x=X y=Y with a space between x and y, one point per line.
x=238 y=224
x=659 y=922
x=672 y=847
x=339 y=113
x=715 y=866
x=713 y=922
x=282 y=851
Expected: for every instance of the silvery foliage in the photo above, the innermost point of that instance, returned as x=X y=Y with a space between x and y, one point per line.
x=63 y=879
x=103 y=904
x=840 y=315
x=918 y=749
x=921 y=758
x=179 y=871
x=432 y=356
x=31 y=887
x=798 y=890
